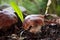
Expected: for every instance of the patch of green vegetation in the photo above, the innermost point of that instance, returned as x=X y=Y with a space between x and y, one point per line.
x=17 y=10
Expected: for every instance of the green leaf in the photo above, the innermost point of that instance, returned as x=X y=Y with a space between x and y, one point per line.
x=58 y=10
x=30 y=6
x=17 y=10
x=34 y=6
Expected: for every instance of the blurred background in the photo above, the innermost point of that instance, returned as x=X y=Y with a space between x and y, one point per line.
x=34 y=6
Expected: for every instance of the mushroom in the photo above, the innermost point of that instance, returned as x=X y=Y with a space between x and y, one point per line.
x=7 y=19
x=33 y=23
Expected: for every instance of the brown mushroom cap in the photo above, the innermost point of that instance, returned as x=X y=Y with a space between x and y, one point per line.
x=7 y=19
x=33 y=20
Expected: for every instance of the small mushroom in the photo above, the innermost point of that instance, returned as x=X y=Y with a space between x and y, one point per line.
x=33 y=23
x=7 y=19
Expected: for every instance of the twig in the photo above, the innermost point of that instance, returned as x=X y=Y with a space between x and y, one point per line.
x=48 y=4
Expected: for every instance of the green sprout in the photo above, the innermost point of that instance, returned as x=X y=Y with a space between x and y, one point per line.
x=17 y=10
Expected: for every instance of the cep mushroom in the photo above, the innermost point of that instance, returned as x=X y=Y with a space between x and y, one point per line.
x=7 y=19
x=33 y=23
